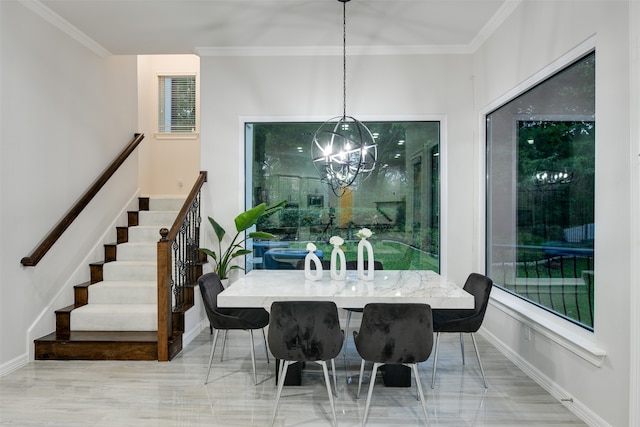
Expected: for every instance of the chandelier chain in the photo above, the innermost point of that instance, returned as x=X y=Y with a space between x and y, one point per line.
x=343 y=150
x=344 y=59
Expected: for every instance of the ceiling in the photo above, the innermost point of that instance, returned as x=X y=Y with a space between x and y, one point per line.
x=196 y=26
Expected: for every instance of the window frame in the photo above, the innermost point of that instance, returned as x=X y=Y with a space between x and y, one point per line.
x=246 y=163
x=194 y=133
x=574 y=338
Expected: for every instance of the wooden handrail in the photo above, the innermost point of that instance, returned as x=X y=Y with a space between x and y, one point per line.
x=57 y=231
x=165 y=320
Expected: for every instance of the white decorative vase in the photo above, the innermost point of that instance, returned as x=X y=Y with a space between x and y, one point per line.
x=310 y=274
x=338 y=254
x=362 y=274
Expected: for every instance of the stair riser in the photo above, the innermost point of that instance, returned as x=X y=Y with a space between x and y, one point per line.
x=157 y=218
x=103 y=293
x=132 y=321
x=144 y=234
x=117 y=271
x=95 y=350
x=137 y=252
x=166 y=204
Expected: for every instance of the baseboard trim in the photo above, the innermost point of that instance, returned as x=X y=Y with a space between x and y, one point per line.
x=553 y=388
x=14 y=364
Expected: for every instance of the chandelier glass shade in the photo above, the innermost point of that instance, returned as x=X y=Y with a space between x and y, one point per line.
x=343 y=149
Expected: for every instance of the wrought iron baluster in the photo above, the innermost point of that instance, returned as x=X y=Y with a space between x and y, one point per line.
x=562 y=276
x=590 y=290
x=550 y=275
x=577 y=288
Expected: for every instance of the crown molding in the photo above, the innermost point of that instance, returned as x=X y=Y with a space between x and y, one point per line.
x=65 y=26
x=490 y=27
x=331 y=50
x=494 y=23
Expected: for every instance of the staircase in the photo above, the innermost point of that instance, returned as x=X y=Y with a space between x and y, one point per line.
x=115 y=314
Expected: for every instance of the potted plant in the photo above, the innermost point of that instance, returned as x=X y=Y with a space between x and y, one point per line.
x=223 y=258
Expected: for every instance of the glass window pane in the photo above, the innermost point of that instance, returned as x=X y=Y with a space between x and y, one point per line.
x=540 y=193
x=176 y=104
x=399 y=201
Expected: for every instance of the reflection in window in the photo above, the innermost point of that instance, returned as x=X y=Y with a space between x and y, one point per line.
x=399 y=201
x=540 y=193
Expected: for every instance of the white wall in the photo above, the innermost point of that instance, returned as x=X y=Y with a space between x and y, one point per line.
x=311 y=87
x=68 y=91
x=168 y=165
x=65 y=114
x=460 y=87
x=534 y=36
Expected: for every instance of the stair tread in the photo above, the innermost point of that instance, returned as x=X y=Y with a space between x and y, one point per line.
x=132 y=262
x=103 y=336
x=117 y=308
x=127 y=283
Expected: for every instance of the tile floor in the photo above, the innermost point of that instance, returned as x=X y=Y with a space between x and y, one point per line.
x=87 y=393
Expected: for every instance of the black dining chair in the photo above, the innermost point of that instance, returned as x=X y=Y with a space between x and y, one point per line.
x=326 y=264
x=353 y=265
x=230 y=318
x=305 y=331
x=394 y=334
x=464 y=320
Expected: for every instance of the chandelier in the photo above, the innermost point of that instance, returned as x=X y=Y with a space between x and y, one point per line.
x=550 y=178
x=343 y=150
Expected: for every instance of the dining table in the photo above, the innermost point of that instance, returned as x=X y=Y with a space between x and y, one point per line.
x=260 y=288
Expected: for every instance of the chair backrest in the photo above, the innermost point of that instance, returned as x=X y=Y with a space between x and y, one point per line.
x=395 y=333
x=210 y=286
x=353 y=265
x=326 y=264
x=479 y=286
x=305 y=330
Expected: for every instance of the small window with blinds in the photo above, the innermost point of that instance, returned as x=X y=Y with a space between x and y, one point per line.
x=177 y=104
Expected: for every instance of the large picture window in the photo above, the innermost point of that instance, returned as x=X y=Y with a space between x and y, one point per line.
x=540 y=193
x=399 y=201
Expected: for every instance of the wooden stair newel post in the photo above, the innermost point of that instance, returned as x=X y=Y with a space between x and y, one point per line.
x=164 y=295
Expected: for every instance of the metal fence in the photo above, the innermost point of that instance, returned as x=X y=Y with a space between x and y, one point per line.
x=558 y=279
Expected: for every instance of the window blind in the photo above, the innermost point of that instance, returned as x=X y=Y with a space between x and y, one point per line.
x=176 y=104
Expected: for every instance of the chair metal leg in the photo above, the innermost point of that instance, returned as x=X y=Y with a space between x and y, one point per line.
x=327 y=381
x=266 y=348
x=253 y=358
x=462 y=346
x=224 y=343
x=435 y=360
x=335 y=380
x=213 y=349
x=475 y=345
x=360 y=379
x=346 y=337
x=371 y=384
x=284 y=365
x=420 y=393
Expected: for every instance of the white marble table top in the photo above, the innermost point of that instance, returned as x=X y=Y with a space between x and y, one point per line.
x=259 y=288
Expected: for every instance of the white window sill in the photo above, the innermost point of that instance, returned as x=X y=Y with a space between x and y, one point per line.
x=177 y=135
x=572 y=337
